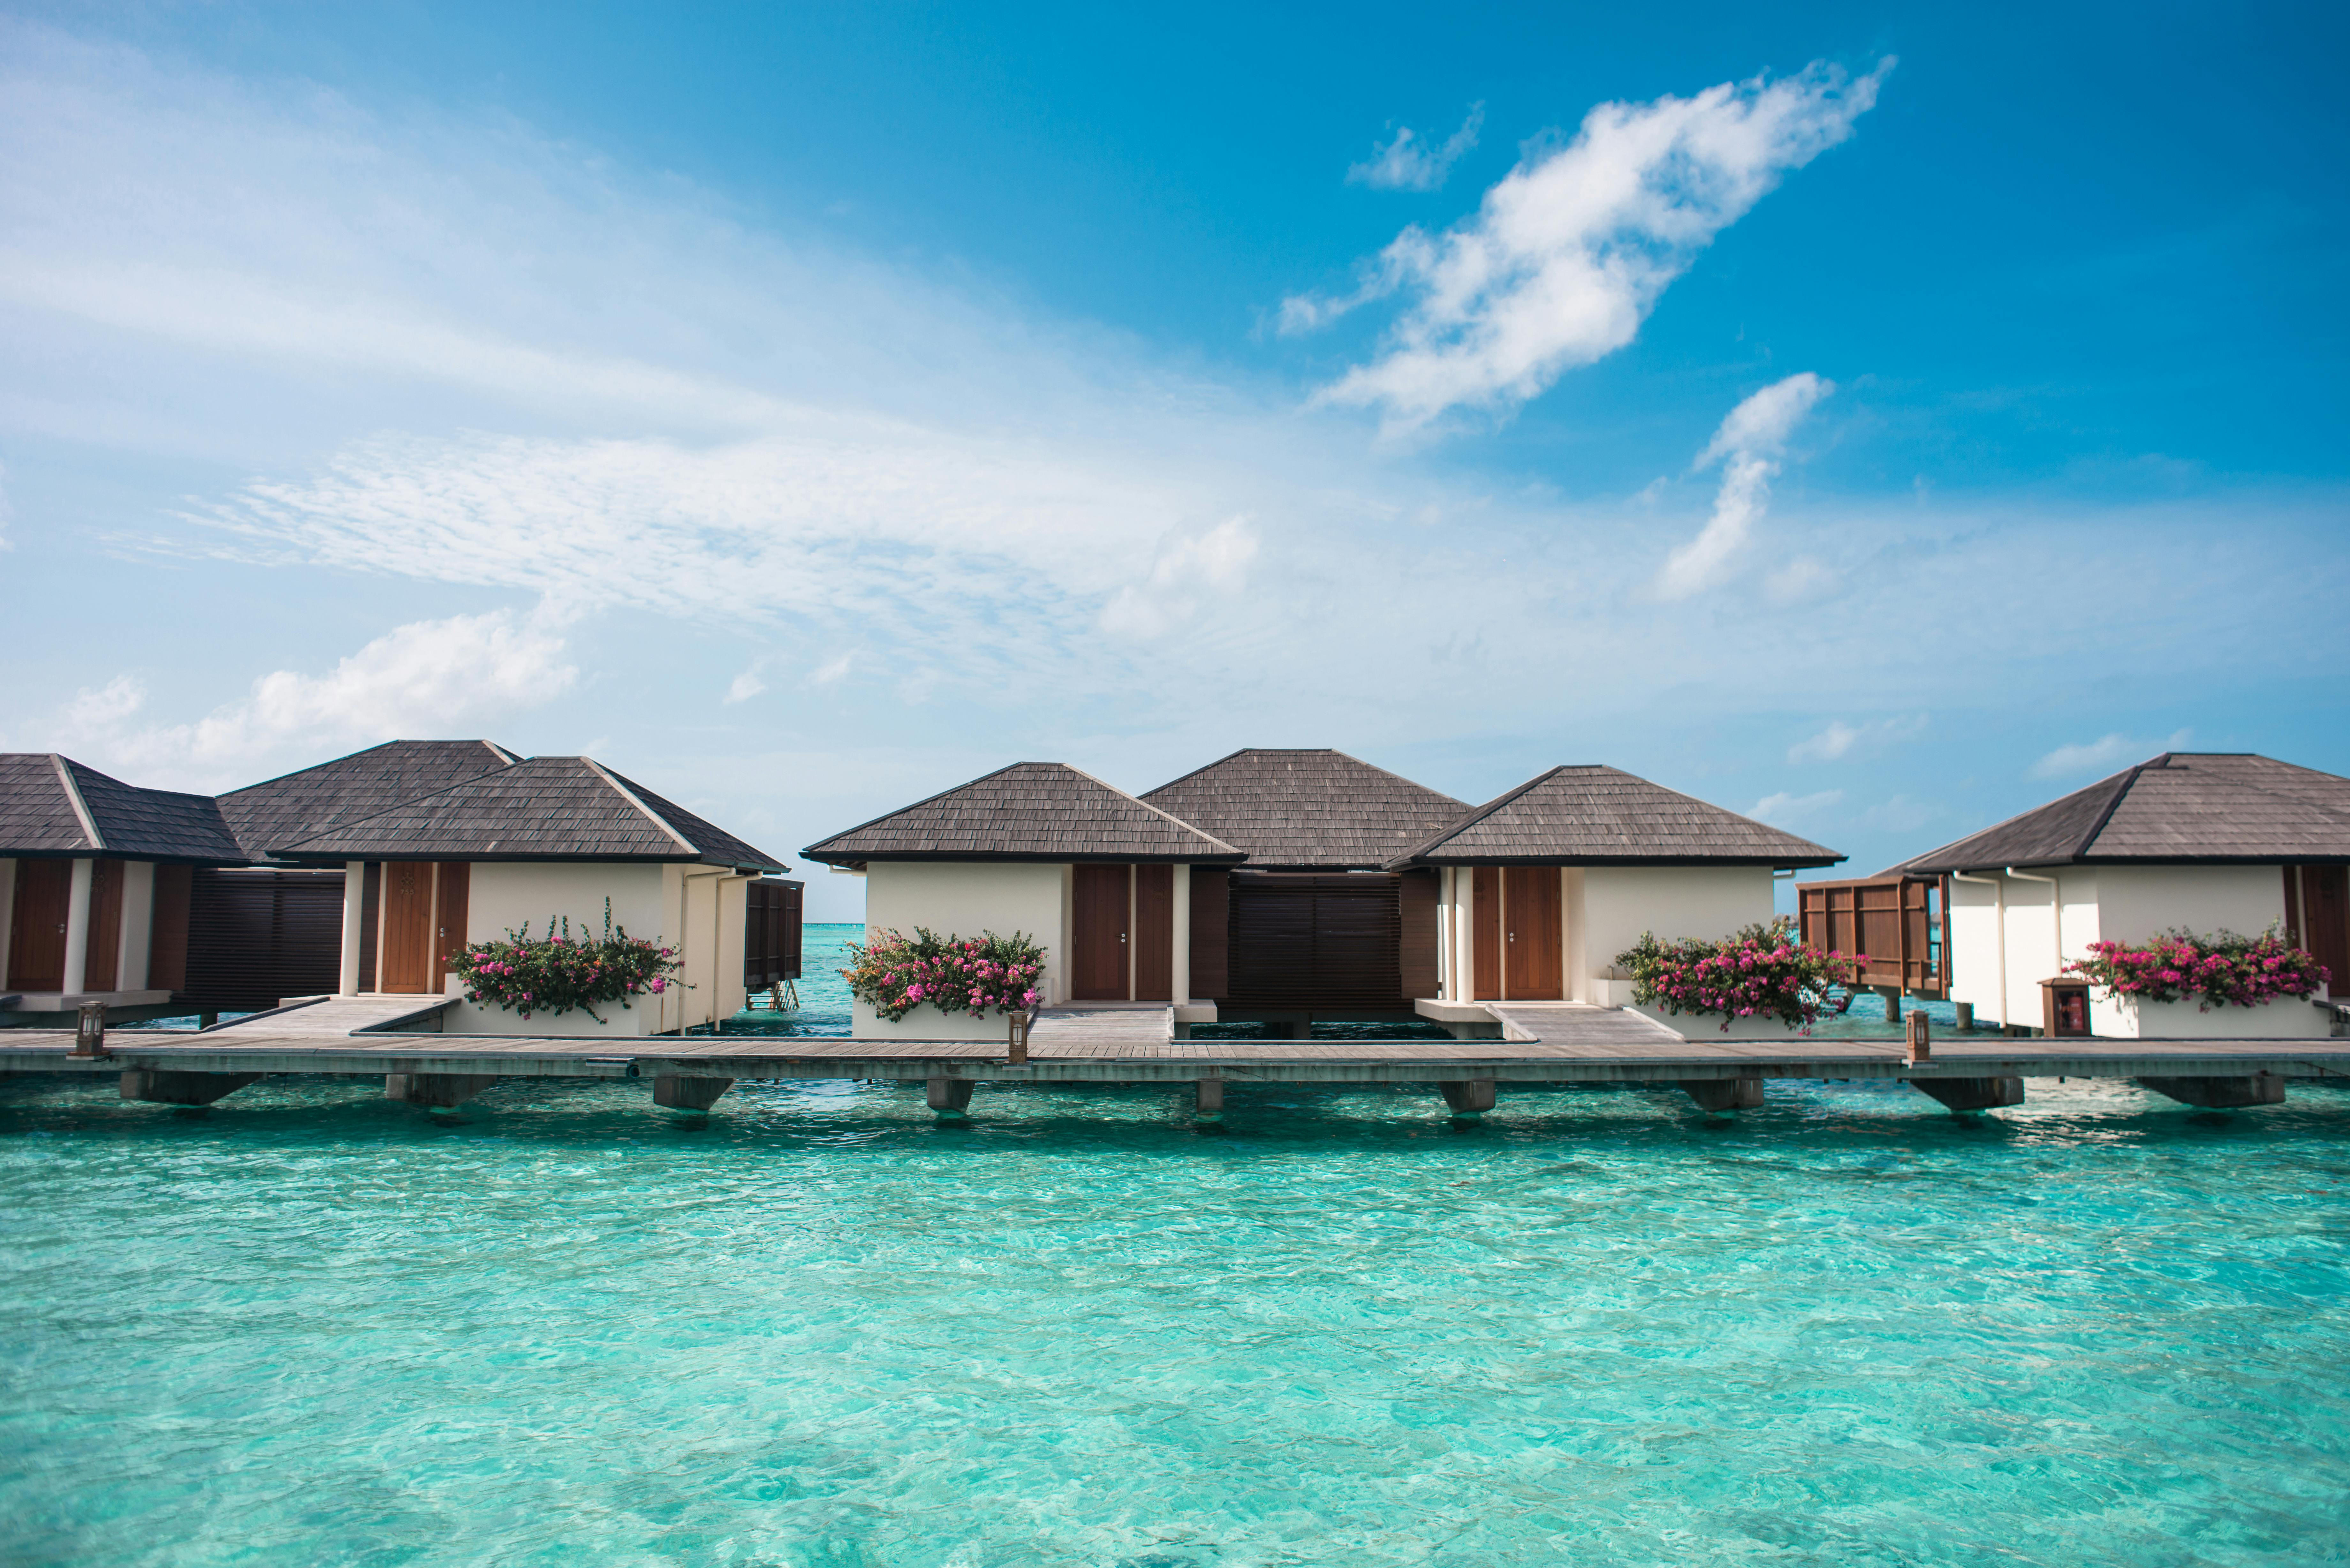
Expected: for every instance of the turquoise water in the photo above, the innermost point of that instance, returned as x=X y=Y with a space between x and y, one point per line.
x=309 y=1326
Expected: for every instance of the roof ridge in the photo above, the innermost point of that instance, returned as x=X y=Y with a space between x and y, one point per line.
x=916 y=806
x=1146 y=806
x=2114 y=803
x=65 y=766
x=1479 y=814
x=630 y=795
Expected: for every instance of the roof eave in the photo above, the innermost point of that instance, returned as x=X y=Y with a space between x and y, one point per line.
x=1021 y=857
x=1785 y=862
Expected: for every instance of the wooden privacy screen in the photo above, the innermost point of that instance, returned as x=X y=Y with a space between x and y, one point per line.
x=257 y=937
x=1416 y=941
x=37 y=933
x=1896 y=920
x=771 y=933
x=1211 y=903
x=105 y=926
x=1305 y=942
x=1154 y=933
x=1097 y=944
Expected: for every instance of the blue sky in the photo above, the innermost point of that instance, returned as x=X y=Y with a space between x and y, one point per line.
x=1880 y=420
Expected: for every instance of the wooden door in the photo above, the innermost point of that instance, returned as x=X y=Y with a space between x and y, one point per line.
x=1099 y=944
x=448 y=921
x=1533 y=955
x=405 y=955
x=2325 y=916
x=105 y=926
x=1154 y=933
x=36 y=935
x=1485 y=935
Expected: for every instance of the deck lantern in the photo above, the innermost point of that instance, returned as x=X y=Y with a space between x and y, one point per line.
x=89 y=1030
x=1018 y=1023
x=2064 y=1009
x=1920 y=1037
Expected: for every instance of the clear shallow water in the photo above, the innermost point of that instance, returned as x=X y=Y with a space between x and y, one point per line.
x=309 y=1326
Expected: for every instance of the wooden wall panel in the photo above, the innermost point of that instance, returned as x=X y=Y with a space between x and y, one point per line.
x=167 y=941
x=1485 y=934
x=1097 y=944
x=1211 y=903
x=105 y=926
x=255 y=938
x=1417 y=895
x=1303 y=942
x=1154 y=933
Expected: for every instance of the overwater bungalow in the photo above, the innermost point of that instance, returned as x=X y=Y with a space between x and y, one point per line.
x=363 y=877
x=1285 y=887
x=94 y=884
x=2204 y=841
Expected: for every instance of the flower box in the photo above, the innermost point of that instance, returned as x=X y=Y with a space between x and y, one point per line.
x=2135 y=1018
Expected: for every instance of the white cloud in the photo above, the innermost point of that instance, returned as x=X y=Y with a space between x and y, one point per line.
x=1800 y=580
x=1567 y=254
x=427 y=679
x=1748 y=446
x=1839 y=739
x=2107 y=753
x=746 y=685
x=1409 y=163
x=1784 y=810
x=834 y=670
x=1187 y=569
x=1826 y=746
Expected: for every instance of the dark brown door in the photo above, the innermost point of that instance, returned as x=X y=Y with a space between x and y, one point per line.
x=407 y=953
x=105 y=926
x=1533 y=957
x=1099 y=946
x=1154 y=933
x=37 y=934
x=456 y=882
x=1485 y=934
x=2325 y=912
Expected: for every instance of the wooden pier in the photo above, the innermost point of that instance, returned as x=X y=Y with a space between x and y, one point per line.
x=1556 y=1043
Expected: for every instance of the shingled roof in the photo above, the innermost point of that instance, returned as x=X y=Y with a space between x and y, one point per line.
x=2217 y=806
x=53 y=805
x=1029 y=811
x=1591 y=815
x=351 y=789
x=1308 y=810
x=549 y=808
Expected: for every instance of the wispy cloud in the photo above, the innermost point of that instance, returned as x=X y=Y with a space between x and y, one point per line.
x=1786 y=810
x=1215 y=562
x=2105 y=754
x=1748 y=446
x=1838 y=738
x=428 y=678
x=747 y=685
x=1408 y=163
x=1567 y=254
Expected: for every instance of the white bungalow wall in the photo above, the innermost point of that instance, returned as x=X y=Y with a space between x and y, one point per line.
x=1602 y=909
x=2098 y=903
x=961 y=898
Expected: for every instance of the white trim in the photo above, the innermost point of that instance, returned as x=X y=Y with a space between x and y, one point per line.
x=81 y=809
x=651 y=815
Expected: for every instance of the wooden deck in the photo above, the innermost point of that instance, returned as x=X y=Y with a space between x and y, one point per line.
x=1541 y=1044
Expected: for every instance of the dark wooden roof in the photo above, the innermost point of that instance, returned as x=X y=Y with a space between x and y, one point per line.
x=549 y=808
x=2217 y=806
x=1029 y=811
x=51 y=805
x=1308 y=810
x=351 y=789
x=1591 y=815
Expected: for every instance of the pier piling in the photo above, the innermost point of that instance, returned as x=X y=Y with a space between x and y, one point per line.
x=1963 y=1094
x=951 y=1097
x=436 y=1091
x=676 y=1092
x=2221 y=1094
x=1469 y=1097
x=1718 y=1095
x=163 y=1086
x=1211 y=1099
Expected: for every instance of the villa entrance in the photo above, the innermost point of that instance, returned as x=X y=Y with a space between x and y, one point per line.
x=36 y=935
x=1122 y=940
x=1517 y=934
x=422 y=923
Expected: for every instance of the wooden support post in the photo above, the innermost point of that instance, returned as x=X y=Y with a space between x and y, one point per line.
x=674 y=1091
x=951 y=1097
x=2222 y=1094
x=1211 y=1099
x=206 y=1019
x=1892 y=1004
x=157 y=1086
x=1716 y=1095
x=1966 y=1012
x=439 y=1091
x=1962 y=1095
x=1469 y=1097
